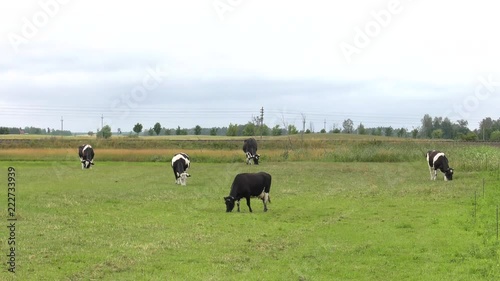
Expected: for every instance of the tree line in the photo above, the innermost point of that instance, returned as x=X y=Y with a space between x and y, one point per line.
x=431 y=128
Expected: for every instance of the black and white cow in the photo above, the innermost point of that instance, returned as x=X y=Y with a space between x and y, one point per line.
x=86 y=153
x=248 y=185
x=250 y=149
x=180 y=165
x=438 y=161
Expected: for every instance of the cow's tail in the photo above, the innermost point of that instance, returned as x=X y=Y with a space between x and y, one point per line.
x=267 y=189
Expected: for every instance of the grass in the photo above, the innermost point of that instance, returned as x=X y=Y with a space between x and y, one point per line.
x=327 y=221
x=462 y=156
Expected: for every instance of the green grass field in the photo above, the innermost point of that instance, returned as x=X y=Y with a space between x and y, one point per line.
x=343 y=208
x=327 y=221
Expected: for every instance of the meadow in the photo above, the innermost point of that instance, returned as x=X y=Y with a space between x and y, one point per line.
x=341 y=210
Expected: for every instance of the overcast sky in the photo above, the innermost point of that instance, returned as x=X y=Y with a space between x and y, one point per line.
x=215 y=62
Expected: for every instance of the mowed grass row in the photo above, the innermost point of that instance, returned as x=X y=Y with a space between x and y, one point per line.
x=327 y=221
x=462 y=157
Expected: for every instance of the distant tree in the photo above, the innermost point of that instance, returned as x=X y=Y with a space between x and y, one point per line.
x=197 y=130
x=308 y=131
x=137 y=128
x=249 y=129
x=388 y=131
x=496 y=125
x=447 y=128
x=459 y=129
x=436 y=123
x=377 y=131
x=178 y=130
x=32 y=130
x=4 y=131
x=402 y=132
x=213 y=131
x=323 y=131
x=166 y=131
x=348 y=126
x=414 y=133
x=263 y=130
x=495 y=135
x=292 y=130
x=485 y=128
x=470 y=136
x=90 y=133
x=232 y=130
x=151 y=132
x=427 y=128
x=361 y=129
x=157 y=128
x=105 y=132
x=437 y=134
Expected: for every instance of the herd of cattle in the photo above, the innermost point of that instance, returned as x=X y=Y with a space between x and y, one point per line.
x=247 y=185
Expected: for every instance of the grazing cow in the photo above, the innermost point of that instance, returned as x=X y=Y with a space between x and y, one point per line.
x=437 y=160
x=250 y=149
x=180 y=165
x=86 y=153
x=248 y=185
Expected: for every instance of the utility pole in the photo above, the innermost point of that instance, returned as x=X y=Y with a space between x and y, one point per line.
x=261 y=116
x=261 y=121
x=303 y=123
x=303 y=126
x=324 y=125
x=102 y=122
x=62 y=127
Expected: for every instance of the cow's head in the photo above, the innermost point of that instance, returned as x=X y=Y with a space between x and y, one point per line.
x=229 y=203
x=183 y=178
x=448 y=174
x=87 y=163
x=256 y=159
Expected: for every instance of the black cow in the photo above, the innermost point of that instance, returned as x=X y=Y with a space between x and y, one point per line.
x=248 y=185
x=250 y=149
x=86 y=153
x=438 y=161
x=180 y=165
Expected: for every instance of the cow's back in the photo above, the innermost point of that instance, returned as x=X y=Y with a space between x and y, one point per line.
x=430 y=157
x=250 y=145
x=250 y=184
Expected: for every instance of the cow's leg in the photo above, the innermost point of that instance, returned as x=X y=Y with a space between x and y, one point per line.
x=265 y=200
x=176 y=175
x=430 y=171
x=248 y=204
x=434 y=176
x=238 y=203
